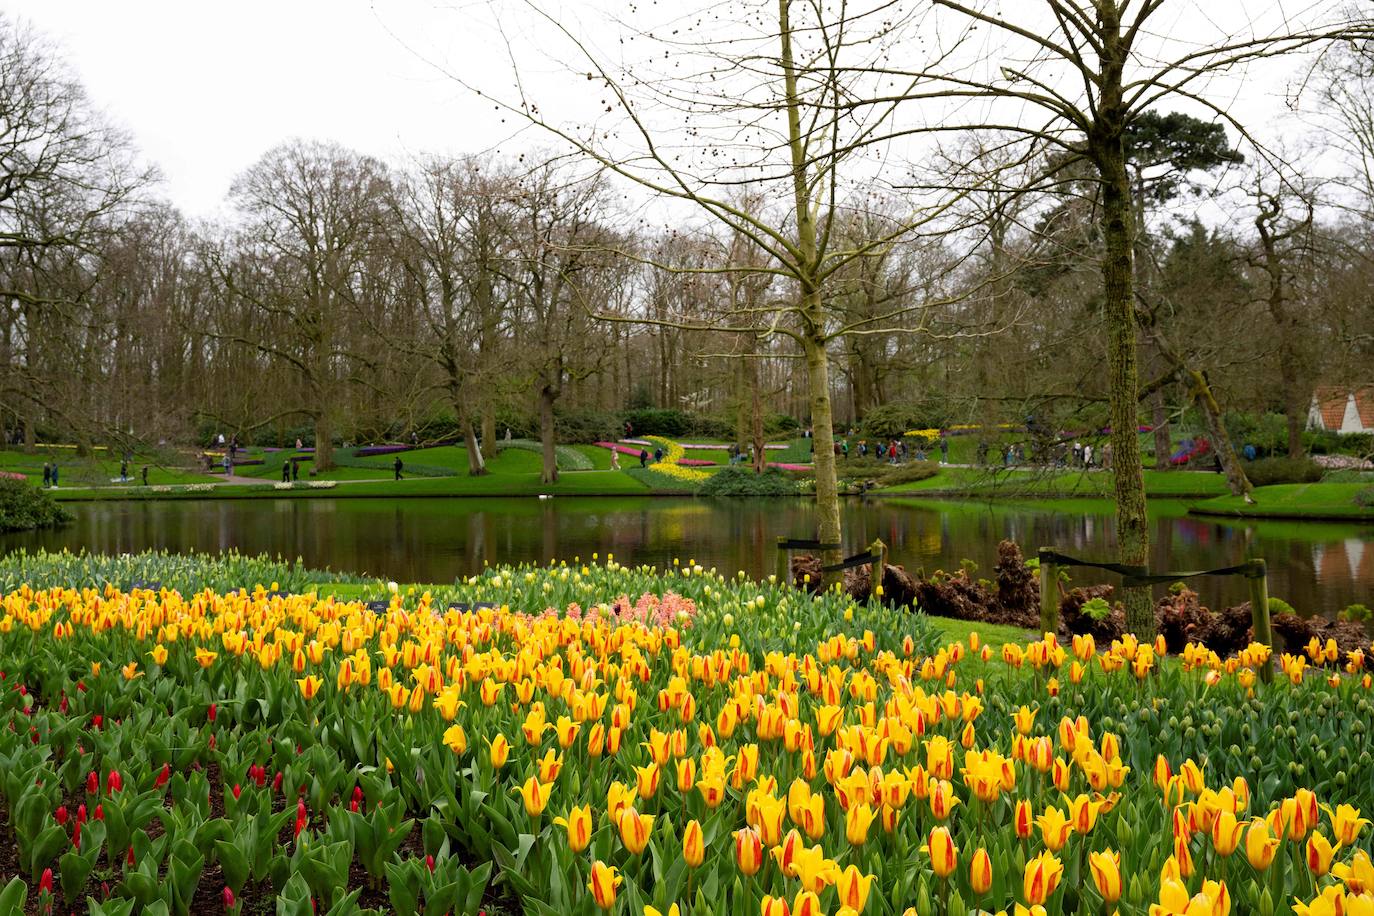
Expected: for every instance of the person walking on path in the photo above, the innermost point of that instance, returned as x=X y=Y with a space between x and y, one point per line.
x=615 y=460
x=228 y=466
x=396 y=466
x=124 y=470
x=643 y=458
x=47 y=474
x=286 y=471
x=54 y=475
x=295 y=471
x=944 y=450
x=145 y=475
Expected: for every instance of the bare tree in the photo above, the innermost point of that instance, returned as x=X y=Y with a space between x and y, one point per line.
x=1091 y=69
x=310 y=211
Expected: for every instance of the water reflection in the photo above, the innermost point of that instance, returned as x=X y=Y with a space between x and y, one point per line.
x=1316 y=567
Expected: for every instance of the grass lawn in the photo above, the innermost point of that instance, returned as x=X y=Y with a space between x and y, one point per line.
x=1294 y=500
x=1049 y=483
x=570 y=483
x=95 y=470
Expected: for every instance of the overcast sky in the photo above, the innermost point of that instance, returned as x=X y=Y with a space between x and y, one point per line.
x=205 y=88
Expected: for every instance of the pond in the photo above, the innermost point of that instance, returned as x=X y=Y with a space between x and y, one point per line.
x=1317 y=567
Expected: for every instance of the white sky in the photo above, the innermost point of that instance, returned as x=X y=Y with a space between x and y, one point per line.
x=205 y=88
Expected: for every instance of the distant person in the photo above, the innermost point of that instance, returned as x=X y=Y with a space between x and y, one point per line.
x=944 y=450
x=644 y=458
x=54 y=476
x=1107 y=455
x=286 y=471
x=299 y=444
x=47 y=474
x=751 y=453
x=629 y=430
x=220 y=440
x=124 y=470
x=396 y=466
x=844 y=449
x=414 y=438
x=1088 y=455
x=228 y=466
x=145 y=475
x=295 y=470
x=1250 y=452
x=615 y=460
x=658 y=454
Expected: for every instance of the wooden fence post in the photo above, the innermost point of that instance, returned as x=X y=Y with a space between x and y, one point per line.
x=1258 y=574
x=878 y=571
x=1049 y=592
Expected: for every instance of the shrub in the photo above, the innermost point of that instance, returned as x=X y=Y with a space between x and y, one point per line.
x=1357 y=613
x=581 y=425
x=1267 y=471
x=657 y=421
x=778 y=423
x=1365 y=498
x=738 y=482
x=892 y=421
x=894 y=474
x=1326 y=442
x=24 y=507
x=1279 y=606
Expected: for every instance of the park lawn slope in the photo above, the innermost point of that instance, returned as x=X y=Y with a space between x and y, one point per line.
x=1029 y=483
x=1293 y=500
x=571 y=483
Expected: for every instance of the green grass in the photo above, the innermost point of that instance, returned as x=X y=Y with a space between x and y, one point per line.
x=571 y=483
x=96 y=470
x=1017 y=483
x=1295 y=501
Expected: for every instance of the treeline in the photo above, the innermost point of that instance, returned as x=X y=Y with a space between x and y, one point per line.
x=348 y=299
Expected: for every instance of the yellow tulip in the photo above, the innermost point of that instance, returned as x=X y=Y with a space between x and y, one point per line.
x=456 y=739
x=1260 y=844
x=604 y=881
x=635 y=829
x=1041 y=877
x=1320 y=852
x=1106 y=872
x=748 y=850
x=578 y=825
x=159 y=655
x=310 y=686
x=944 y=855
x=857 y=820
x=853 y=888
x=693 y=844
x=535 y=795
x=980 y=871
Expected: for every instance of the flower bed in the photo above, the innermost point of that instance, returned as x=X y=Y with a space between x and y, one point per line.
x=715 y=746
x=704 y=446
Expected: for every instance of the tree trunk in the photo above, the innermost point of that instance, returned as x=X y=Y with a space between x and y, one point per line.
x=1221 y=440
x=823 y=437
x=476 y=465
x=546 y=437
x=30 y=441
x=488 y=437
x=760 y=453
x=324 y=445
x=1118 y=279
x=1294 y=404
x=1159 y=418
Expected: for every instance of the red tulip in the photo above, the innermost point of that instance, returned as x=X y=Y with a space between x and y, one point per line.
x=76 y=837
x=45 y=882
x=276 y=781
x=114 y=782
x=81 y=814
x=212 y=712
x=237 y=790
x=97 y=720
x=100 y=812
x=228 y=898
x=129 y=858
x=429 y=863
x=93 y=783
x=60 y=815
x=163 y=776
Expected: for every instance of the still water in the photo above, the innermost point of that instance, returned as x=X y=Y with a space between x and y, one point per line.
x=1317 y=567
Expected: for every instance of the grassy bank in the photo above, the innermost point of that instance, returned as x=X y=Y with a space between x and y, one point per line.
x=571 y=483
x=1041 y=483
x=1318 y=501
